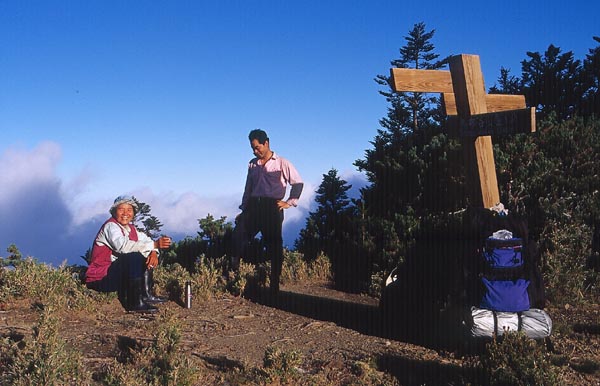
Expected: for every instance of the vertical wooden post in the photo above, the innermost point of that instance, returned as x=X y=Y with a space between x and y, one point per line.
x=479 y=116
x=470 y=95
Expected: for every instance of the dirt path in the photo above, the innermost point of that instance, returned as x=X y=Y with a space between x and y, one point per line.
x=328 y=327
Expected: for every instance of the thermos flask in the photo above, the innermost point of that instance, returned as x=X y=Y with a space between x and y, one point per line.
x=188 y=294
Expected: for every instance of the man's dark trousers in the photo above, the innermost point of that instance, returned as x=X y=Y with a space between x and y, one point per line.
x=261 y=215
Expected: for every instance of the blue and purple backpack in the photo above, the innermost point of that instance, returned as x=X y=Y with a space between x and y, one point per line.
x=504 y=277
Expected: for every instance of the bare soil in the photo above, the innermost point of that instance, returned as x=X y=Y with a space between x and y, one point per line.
x=328 y=327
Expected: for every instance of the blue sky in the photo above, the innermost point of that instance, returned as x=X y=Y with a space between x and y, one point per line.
x=156 y=98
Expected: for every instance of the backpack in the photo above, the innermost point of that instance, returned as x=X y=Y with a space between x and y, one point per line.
x=502 y=272
x=505 y=282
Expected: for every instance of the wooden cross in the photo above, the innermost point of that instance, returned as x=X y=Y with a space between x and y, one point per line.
x=477 y=114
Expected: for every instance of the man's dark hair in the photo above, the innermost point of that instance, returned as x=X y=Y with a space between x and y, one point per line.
x=259 y=135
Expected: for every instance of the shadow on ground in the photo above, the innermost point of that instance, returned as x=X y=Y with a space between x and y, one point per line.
x=406 y=326
x=424 y=372
x=367 y=319
x=359 y=317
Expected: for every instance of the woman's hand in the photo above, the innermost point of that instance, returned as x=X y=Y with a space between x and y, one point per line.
x=152 y=260
x=163 y=243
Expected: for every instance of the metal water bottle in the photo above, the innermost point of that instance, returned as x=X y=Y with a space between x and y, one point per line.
x=188 y=294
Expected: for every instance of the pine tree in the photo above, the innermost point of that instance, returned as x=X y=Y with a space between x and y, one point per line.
x=552 y=82
x=408 y=110
x=145 y=222
x=591 y=81
x=507 y=84
x=215 y=235
x=414 y=167
x=14 y=259
x=323 y=224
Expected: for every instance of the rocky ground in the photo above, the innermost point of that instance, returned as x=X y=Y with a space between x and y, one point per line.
x=329 y=328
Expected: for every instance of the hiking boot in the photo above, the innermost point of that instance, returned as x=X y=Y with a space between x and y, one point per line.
x=148 y=289
x=134 y=299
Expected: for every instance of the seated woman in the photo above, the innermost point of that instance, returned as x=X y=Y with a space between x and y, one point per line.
x=121 y=256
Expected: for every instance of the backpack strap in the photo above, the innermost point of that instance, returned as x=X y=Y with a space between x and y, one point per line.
x=495 y=322
x=511 y=246
x=515 y=242
x=505 y=274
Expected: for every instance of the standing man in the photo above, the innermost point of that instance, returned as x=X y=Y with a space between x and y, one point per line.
x=262 y=204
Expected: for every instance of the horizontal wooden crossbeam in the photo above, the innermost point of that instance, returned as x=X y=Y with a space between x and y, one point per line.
x=440 y=81
x=494 y=123
x=472 y=113
x=494 y=102
x=411 y=80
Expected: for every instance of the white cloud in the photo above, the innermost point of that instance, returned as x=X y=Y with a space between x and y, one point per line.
x=49 y=218
x=180 y=213
x=33 y=213
x=356 y=179
x=22 y=168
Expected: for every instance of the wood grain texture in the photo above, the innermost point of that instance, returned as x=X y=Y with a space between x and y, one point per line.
x=411 y=80
x=469 y=92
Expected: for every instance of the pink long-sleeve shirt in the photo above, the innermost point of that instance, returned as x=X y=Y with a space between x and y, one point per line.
x=271 y=180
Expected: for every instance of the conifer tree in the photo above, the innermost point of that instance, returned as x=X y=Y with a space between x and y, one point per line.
x=145 y=222
x=323 y=224
x=552 y=82
x=507 y=83
x=414 y=167
x=214 y=234
x=14 y=259
x=591 y=81
x=408 y=110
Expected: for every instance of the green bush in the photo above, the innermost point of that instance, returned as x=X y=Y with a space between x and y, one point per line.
x=208 y=279
x=551 y=177
x=517 y=360
x=45 y=285
x=161 y=363
x=281 y=365
x=45 y=359
x=320 y=268
x=247 y=273
x=564 y=261
x=294 y=267
x=297 y=269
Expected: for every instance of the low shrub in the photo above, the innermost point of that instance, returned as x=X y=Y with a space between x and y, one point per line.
x=43 y=359
x=208 y=278
x=161 y=363
x=45 y=285
x=296 y=268
x=282 y=365
x=564 y=264
x=517 y=360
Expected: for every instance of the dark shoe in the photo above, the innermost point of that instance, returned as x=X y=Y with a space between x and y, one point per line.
x=155 y=299
x=135 y=301
x=147 y=290
x=274 y=280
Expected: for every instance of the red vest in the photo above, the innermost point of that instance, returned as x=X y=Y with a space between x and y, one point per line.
x=101 y=254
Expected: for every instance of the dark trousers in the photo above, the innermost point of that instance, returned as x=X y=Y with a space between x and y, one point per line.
x=127 y=267
x=261 y=215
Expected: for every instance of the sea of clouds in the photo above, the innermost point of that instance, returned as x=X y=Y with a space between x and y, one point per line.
x=48 y=218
